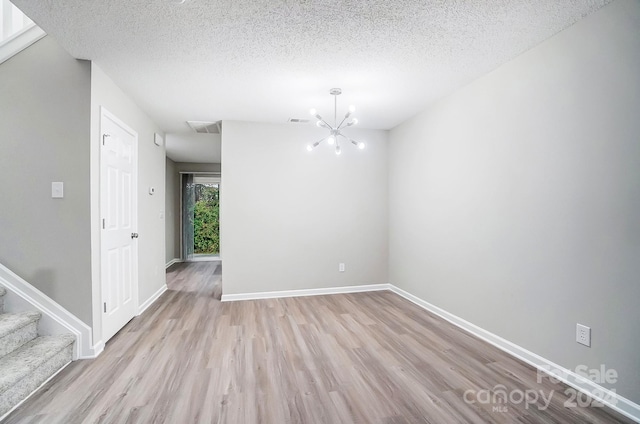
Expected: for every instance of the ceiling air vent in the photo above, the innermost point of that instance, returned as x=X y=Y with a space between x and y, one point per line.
x=205 y=127
x=298 y=121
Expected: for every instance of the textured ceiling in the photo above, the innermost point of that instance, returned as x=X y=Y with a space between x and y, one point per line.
x=269 y=60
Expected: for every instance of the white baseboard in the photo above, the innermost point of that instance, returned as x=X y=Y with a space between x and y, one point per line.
x=172 y=261
x=152 y=299
x=610 y=398
x=205 y=259
x=98 y=348
x=613 y=400
x=55 y=319
x=304 y=292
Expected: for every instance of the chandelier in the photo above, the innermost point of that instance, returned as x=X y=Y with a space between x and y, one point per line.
x=335 y=131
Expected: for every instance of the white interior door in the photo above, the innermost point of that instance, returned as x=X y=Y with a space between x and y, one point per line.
x=118 y=205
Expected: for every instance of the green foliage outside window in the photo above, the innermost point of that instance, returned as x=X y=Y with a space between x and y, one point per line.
x=206 y=224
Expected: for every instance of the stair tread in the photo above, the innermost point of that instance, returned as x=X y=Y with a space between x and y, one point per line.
x=19 y=363
x=12 y=322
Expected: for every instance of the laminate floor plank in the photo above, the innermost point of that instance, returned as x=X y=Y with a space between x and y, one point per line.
x=359 y=358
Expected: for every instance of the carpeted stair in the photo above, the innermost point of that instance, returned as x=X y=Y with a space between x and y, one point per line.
x=26 y=359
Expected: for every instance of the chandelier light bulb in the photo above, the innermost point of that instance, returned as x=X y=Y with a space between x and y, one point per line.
x=319 y=123
x=354 y=121
x=309 y=147
x=313 y=112
x=337 y=150
x=331 y=140
x=352 y=108
x=361 y=145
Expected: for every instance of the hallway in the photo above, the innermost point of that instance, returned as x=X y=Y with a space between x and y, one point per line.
x=201 y=277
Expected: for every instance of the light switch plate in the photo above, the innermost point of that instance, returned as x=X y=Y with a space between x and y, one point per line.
x=57 y=190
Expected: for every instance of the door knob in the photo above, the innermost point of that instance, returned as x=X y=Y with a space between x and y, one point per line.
x=134 y=235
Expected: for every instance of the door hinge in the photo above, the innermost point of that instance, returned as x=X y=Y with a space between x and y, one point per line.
x=103 y=223
x=105 y=307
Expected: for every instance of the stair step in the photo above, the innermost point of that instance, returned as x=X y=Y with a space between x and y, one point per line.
x=16 y=330
x=3 y=291
x=25 y=369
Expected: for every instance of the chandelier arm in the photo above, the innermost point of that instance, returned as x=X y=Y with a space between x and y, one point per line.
x=352 y=141
x=355 y=143
x=321 y=119
x=310 y=147
x=342 y=122
x=348 y=138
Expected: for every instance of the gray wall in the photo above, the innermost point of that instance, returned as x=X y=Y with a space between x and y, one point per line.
x=289 y=216
x=172 y=208
x=514 y=202
x=151 y=169
x=44 y=133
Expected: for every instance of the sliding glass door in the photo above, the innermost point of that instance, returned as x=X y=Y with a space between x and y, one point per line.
x=200 y=217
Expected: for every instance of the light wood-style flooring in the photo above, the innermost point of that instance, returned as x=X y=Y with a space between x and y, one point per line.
x=349 y=358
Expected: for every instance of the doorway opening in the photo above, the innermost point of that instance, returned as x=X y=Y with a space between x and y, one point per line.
x=200 y=217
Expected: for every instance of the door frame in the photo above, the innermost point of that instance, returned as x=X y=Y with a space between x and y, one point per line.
x=217 y=175
x=105 y=114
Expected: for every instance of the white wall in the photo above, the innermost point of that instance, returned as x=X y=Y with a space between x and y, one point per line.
x=44 y=132
x=184 y=147
x=515 y=202
x=151 y=173
x=288 y=216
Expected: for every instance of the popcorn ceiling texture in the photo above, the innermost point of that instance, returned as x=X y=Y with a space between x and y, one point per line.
x=271 y=60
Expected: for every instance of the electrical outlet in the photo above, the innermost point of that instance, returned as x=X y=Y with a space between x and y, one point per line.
x=341 y=267
x=583 y=334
